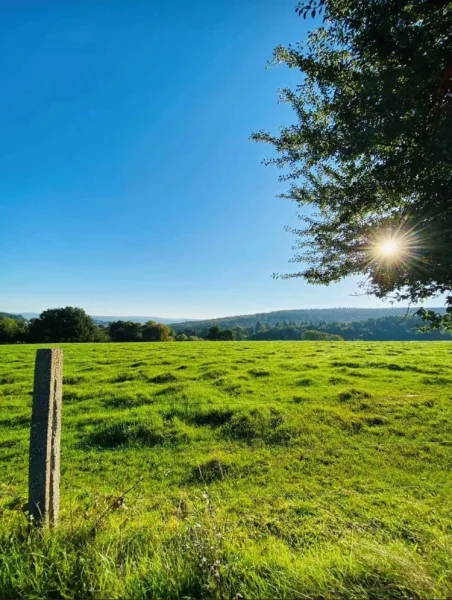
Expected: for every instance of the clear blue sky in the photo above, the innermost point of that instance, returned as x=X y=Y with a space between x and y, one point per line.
x=128 y=184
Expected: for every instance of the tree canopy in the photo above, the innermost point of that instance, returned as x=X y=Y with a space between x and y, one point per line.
x=71 y=324
x=369 y=156
x=68 y=324
x=156 y=332
x=12 y=329
x=125 y=331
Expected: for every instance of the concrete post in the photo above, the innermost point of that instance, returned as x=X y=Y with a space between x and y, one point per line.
x=44 y=466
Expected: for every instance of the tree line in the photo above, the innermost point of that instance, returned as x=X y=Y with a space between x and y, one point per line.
x=70 y=324
x=389 y=328
x=299 y=316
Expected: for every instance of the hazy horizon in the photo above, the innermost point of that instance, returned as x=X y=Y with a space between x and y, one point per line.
x=174 y=318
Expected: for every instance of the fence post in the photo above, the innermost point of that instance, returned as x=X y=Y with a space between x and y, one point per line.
x=45 y=434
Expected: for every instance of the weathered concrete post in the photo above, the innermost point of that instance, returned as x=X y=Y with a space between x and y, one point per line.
x=44 y=467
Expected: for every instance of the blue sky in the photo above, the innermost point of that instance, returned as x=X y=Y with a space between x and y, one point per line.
x=128 y=184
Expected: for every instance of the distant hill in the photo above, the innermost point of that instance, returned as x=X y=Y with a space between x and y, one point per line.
x=102 y=319
x=11 y=316
x=141 y=320
x=298 y=316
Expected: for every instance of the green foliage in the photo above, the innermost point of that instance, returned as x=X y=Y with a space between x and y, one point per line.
x=313 y=335
x=261 y=470
x=385 y=328
x=54 y=325
x=216 y=334
x=101 y=334
x=369 y=153
x=155 y=332
x=62 y=325
x=59 y=324
x=12 y=330
x=282 y=318
x=436 y=320
x=12 y=316
x=124 y=331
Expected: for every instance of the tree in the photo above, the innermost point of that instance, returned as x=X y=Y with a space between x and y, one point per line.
x=124 y=331
x=370 y=153
x=68 y=324
x=226 y=335
x=155 y=332
x=101 y=334
x=239 y=333
x=214 y=333
x=12 y=330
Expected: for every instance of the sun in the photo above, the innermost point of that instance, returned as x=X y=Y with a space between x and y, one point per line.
x=396 y=246
x=389 y=248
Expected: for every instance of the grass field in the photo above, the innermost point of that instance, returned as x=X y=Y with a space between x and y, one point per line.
x=259 y=470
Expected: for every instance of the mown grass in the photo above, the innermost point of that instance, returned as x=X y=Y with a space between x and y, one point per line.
x=258 y=470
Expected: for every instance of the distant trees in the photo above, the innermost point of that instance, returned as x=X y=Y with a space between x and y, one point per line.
x=12 y=330
x=217 y=335
x=214 y=333
x=124 y=331
x=384 y=329
x=101 y=334
x=74 y=325
x=313 y=335
x=226 y=335
x=335 y=338
x=183 y=337
x=259 y=321
x=155 y=332
x=68 y=324
x=71 y=324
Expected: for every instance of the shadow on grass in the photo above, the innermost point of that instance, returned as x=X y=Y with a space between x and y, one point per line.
x=215 y=417
x=259 y=424
x=137 y=433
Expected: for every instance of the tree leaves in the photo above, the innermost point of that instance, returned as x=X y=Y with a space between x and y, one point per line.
x=371 y=146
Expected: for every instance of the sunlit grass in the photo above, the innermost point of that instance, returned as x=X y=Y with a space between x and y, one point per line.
x=270 y=470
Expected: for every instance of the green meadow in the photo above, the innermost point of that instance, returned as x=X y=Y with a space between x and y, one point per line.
x=237 y=470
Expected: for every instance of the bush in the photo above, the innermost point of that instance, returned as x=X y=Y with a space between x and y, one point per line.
x=155 y=332
x=312 y=335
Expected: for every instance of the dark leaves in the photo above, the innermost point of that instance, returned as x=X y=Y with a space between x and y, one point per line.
x=369 y=151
